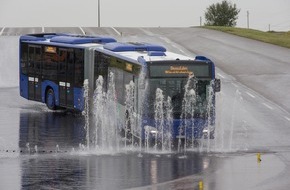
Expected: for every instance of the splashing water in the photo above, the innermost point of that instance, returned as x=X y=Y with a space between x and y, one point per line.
x=99 y=101
x=105 y=115
x=237 y=99
x=168 y=124
x=113 y=121
x=86 y=112
x=159 y=117
x=110 y=130
x=163 y=122
x=187 y=115
x=208 y=131
x=131 y=130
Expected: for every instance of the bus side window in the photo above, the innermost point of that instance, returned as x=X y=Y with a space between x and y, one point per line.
x=38 y=61
x=119 y=84
x=128 y=77
x=103 y=68
x=79 y=68
x=50 y=66
x=62 y=65
x=24 y=58
x=70 y=67
x=31 y=61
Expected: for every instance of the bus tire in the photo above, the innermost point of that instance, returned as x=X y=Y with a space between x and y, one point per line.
x=50 y=99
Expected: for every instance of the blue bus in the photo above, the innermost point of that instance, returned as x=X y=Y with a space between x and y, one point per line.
x=54 y=66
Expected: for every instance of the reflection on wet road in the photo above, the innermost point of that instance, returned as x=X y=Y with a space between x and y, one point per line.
x=47 y=151
x=55 y=139
x=48 y=131
x=120 y=171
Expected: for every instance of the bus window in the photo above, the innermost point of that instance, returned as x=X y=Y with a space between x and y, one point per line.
x=62 y=65
x=34 y=61
x=79 y=68
x=119 y=83
x=66 y=65
x=70 y=67
x=50 y=65
x=128 y=78
x=24 y=58
x=31 y=61
x=101 y=64
x=38 y=62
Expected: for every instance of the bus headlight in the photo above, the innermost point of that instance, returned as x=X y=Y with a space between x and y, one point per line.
x=205 y=131
x=150 y=129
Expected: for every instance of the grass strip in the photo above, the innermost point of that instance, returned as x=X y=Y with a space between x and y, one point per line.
x=277 y=38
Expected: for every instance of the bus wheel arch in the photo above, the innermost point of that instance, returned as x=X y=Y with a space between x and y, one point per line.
x=50 y=98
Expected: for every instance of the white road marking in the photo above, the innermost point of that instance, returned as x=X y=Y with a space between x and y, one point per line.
x=1 y=32
x=119 y=33
x=84 y=33
x=251 y=95
x=268 y=106
x=181 y=51
x=220 y=75
x=235 y=85
x=175 y=46
x=165 y=39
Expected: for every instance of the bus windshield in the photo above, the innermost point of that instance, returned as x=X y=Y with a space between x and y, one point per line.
x=175 y=89
x=172 y=76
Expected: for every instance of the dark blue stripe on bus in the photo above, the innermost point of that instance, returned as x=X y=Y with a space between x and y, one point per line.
x=120 y=47
x=81 y=40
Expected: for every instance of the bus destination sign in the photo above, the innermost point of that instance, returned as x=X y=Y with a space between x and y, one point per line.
x=178 y=70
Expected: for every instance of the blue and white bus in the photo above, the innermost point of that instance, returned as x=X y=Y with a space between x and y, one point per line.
x=53 y=68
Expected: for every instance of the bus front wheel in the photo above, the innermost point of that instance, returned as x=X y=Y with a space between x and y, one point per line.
x=50 y=99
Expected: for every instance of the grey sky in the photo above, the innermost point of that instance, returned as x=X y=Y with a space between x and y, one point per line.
x=137 y=13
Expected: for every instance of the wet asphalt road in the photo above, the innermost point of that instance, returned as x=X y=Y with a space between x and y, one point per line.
x=40 y=149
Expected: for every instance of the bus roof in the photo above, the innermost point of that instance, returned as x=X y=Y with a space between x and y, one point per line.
x=66 y=38
x=81 y=39
x=130 y=50
x=149 y=52
x=133 y=46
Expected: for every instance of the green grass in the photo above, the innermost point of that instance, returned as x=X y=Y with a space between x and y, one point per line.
x=272 y=37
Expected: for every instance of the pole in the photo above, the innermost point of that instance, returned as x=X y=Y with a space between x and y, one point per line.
x=99 y=14
x=248 y=20
x=200 y=21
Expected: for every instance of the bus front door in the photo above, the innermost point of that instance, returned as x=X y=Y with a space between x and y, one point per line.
x=34 y=72
x=66 y=76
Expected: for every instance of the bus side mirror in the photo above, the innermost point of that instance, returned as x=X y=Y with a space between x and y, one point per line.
x=217 y=85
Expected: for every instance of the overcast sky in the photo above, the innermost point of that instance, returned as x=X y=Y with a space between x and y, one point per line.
x=137 y=13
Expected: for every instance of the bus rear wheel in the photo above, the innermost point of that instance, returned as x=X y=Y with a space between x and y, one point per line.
x=50 y=99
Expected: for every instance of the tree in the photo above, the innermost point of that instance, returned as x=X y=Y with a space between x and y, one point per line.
x=222 y=14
